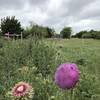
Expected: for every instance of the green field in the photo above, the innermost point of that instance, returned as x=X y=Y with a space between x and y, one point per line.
x=35 y=62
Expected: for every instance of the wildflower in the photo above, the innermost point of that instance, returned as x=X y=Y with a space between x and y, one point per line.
x=22 y=89
x=66 y=75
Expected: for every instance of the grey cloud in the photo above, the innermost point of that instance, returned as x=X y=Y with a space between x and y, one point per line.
x=36 y=2
x=68 y=12
x=75 y=6
x=40 y=4
x=80 y=14
x=11 y=4
x=91 y=12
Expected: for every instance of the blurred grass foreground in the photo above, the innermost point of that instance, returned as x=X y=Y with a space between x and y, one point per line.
x=35 y=60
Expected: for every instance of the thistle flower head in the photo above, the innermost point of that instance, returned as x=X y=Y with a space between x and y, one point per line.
x=66 y=75
x=22 y=90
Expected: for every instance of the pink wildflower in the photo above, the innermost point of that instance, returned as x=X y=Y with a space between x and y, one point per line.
x=21 y=89
x=66 y=75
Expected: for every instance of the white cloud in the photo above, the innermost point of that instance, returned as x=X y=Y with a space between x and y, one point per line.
x=79 y=14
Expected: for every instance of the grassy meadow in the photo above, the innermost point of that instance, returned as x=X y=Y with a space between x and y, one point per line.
x=35 y=61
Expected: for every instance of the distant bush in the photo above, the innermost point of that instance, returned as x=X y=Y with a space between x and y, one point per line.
x=66 y=32
x=37 y=30
x=97 y=36
x=88 y=34
x=80 y=34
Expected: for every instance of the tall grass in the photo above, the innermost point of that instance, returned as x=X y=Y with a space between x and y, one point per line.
x=34 y=61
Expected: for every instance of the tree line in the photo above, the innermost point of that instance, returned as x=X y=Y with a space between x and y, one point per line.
x=13 y=26
x=88 y=34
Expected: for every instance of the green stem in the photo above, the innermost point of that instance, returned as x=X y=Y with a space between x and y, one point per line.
x=71 y=94
x=65 y=95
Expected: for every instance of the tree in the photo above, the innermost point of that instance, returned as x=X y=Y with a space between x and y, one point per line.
x=88 y=34
x=80 y=34
x=50 y=32
x=66 y=32
x=11 y=25
x=38 y=30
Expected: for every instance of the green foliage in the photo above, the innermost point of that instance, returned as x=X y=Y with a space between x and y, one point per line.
x=40 y=31
x=66 y=32
x=0 y=33
x=11 y=25
x=27 y=33
x=34 y=61
x=80 y=34
x=43 y=57
x=15 y=55
x=50 y=32
x=87 y=87
x=88 y=34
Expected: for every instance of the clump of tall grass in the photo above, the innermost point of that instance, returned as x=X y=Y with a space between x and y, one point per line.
x=16 y=54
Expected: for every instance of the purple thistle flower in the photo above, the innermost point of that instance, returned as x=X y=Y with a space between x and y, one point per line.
x=66 y=75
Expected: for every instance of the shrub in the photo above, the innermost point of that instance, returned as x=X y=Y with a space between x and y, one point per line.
x=11 y=25
x=66 y=32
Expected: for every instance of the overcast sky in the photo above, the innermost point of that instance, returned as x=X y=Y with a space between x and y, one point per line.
x=79 y=14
